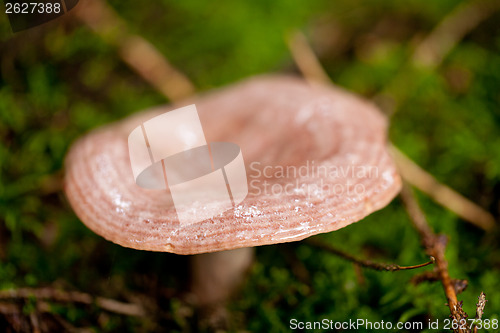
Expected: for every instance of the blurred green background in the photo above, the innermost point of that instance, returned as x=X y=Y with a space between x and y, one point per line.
x=60 y=80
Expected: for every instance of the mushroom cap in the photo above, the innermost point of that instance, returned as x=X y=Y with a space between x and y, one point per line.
x=316 y=160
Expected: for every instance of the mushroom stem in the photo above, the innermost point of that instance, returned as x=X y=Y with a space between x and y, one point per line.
x=216 y=275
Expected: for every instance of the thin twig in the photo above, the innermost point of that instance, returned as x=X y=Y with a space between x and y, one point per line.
x=137 y=52
x=306 y=59
x=409 y=170
x=55 y=295
x=365 y=263
x=303 y=54
x=441 y=193
x=452 y=28
x=435 y=246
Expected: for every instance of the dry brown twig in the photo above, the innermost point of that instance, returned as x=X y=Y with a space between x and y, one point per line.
x=442 y=194
x=60 y=296
x=305 y=58
x=137 y=52
x=432 y=50
x=435 y=246
x=365 y=263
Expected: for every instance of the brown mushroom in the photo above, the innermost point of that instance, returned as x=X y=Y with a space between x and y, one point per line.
x=316 y=161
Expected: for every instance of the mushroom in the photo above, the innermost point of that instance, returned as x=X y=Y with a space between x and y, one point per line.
x=316 y=160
